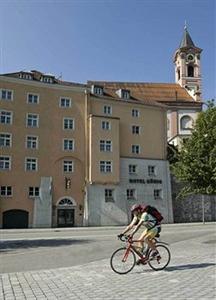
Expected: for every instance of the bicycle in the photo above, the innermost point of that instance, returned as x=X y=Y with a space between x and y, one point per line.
x=123 y=260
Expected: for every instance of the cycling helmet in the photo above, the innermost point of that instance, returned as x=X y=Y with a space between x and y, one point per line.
x=136 y=207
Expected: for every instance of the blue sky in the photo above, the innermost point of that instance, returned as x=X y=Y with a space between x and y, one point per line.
x=115 y=40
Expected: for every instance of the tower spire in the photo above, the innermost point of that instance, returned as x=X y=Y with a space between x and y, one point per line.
x=186 y=40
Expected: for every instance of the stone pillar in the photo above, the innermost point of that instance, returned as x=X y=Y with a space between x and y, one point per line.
x=42 y=216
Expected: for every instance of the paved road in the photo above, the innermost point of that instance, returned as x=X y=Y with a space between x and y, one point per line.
x=27 y=250
x=190 y=275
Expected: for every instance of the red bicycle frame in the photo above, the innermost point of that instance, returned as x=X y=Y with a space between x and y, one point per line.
x=128 y=249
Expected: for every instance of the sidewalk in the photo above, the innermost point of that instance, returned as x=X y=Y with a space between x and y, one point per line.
x=190 y=276
x=2 y=231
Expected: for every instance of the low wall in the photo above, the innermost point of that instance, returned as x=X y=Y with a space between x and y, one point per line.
x=192 y=208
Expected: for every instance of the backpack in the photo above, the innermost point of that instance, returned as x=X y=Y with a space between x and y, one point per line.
x=154 y=212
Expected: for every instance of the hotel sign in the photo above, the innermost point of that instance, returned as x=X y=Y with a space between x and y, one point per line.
x=144 y=181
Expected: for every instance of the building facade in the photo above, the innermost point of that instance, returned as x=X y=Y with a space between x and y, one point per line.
x=131 y=161
x=82 y=154
x=74 y=154
x=42 y=155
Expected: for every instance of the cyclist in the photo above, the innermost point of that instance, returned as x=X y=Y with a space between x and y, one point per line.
x=152 y=228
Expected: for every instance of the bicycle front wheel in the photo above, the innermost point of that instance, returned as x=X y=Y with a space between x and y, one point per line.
x=160 y=261
x=122 y=260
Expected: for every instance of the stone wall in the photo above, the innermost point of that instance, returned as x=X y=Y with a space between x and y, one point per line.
x=192 y=208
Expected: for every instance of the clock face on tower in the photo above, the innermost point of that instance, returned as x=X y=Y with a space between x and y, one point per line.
x=190 y=57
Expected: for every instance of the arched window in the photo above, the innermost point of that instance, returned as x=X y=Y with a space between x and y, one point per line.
x=190 y=71
x=186 y=122
x=65 y=202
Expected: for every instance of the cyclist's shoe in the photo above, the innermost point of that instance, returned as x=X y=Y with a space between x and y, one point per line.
x=155 y=254
x=158 y=257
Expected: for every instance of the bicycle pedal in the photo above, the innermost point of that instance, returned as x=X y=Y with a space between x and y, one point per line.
x=138 y=262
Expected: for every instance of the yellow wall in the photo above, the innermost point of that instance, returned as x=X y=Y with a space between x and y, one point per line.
x=50 y=153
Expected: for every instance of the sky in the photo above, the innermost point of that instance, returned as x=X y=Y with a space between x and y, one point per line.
x=113 y=40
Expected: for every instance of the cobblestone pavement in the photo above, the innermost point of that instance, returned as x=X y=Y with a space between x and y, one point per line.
x=190 y=275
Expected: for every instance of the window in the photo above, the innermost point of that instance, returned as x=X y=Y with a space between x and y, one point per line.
x=135 y=149
x=125 y=94
x=151 y=170
x=105 y=146
x=5 y=162
x=107 y=110
x=105 y=125
x=6 y=95
x=68 y=166
x=32 y=142
x=186 y=123
x=135 y=113
x=97 y=90
x=5 y=140
x=68 y=144
x=65 y=102
x=5 y=117
x=135 y=129
x=32 y=120
x=68 y=123
x=132 y=169
x=158 y=194
x=31 y=164
x=105 y=166
x=190 y=71
x=131 y=194
x=33 y=98
x=179 y=74
x=33 y=191
x=47 y=79
x=109 y=195
x=25 y=76
x=66 y=202
x=6 y=191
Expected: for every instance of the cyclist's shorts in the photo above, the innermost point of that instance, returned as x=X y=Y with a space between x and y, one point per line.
x=151 y=233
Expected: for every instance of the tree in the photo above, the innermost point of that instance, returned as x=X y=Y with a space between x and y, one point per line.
x=196 y=165
x=172 y=152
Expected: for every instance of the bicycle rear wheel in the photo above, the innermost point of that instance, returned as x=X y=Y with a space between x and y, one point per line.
x=160 y=261
x=122 y=260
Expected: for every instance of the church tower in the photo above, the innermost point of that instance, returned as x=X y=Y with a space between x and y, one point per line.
x=187 y=66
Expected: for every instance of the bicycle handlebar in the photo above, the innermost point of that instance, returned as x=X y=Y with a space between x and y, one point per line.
x=124 y=238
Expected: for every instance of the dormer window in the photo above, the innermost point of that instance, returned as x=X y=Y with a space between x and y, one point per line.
x=97 y=90
x=47 y=79
x=123 y=94
x=25 y=76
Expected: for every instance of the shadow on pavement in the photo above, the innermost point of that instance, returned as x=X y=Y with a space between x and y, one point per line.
x=189 y=267
x=177 y=268
x=8 y=246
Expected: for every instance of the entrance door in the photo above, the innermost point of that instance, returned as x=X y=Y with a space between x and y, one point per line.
x=65 y=217
x=15 y=218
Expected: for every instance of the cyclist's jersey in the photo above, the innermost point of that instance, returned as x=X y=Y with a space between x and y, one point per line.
x=148 y=220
